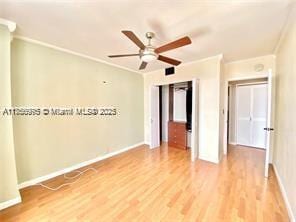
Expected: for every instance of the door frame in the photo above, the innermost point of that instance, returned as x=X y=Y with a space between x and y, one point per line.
x=195 y=115
x=268 y=74
x=155 y=121
x=270 y=122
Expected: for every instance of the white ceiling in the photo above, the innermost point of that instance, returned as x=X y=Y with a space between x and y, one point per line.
x=239 y=29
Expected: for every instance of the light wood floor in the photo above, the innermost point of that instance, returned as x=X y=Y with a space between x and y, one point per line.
x=160 y=185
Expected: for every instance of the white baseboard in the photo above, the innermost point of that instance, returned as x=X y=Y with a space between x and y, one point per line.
x=284 y=193
x=10 y=203
x=232 y=143
x=147 y=142
x=209 y=159
x=75 y=167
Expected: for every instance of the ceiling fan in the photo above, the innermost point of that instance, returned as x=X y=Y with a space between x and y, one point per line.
x=148 y=53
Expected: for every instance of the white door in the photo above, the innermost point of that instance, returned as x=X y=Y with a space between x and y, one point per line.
x=243 y=117
x=259 y=116
x=268 y=128
x=252 y=115
x=155 y=139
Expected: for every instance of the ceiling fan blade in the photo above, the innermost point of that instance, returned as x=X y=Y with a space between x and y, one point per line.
x=169 y=60
x=173 y=45
x=143 y=65
x=134 y=38
x=124 y=55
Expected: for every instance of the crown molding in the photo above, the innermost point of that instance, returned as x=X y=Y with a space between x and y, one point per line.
x=37 y=42
x=285 y=28
x=9 y=24
x=249 y=59
x=219 y=57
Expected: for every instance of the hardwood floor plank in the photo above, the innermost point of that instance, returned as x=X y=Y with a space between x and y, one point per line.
x=160 y=185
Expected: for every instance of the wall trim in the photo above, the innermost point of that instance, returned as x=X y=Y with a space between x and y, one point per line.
x=26 y=39
x=34 y=41
x=284 y=30
x=232 y=143
x=10 y=203
x=284 y=194
x=76 y=166
x=219 y=57
x=9 y=24
x=250 y=76
x=248 y=59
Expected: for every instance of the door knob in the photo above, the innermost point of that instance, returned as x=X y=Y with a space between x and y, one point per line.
x=269 y=129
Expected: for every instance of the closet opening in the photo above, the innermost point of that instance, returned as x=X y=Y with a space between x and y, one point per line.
x=174 y=116
x=248 y=113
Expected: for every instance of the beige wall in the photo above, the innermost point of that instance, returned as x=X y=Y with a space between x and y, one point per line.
x=245 y=68
x=43 y=77
x=208 y=73
x=285 y=124
x=8 y=177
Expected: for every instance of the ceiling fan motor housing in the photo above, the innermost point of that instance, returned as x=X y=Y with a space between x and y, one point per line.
x=150 y=35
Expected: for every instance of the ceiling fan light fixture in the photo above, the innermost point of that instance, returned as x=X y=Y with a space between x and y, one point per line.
x=149 y=57
x=148 y=54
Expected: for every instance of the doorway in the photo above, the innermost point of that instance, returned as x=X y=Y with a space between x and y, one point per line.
x=161 y=117
x=249 y=117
